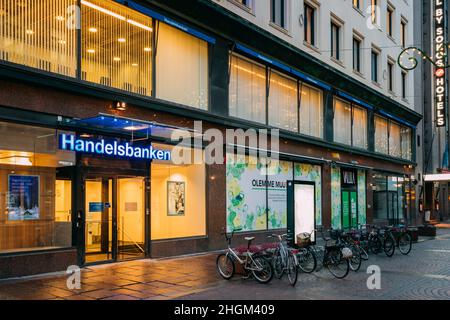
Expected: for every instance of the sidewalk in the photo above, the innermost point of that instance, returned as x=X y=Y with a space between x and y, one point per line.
x=134 y=280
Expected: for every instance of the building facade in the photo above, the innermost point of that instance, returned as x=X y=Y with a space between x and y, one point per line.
x=92 y=92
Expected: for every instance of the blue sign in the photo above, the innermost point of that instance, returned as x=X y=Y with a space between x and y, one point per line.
x=96 y=206
x=111 y=148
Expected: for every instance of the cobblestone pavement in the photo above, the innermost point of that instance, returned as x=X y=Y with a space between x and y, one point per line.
x=424 y=274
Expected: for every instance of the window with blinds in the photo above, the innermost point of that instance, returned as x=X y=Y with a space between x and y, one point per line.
x=116 y=46
x=38 y=34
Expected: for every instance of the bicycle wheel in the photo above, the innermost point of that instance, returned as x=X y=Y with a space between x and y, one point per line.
x=262 y=269
x=277 y=264
x=355 y=261
x=389 y=245
x=375 y=244
x=364 y=249
x=225 y=266
x=405 y=243
x=336 y=264
x=292 y=270
x=307 y=261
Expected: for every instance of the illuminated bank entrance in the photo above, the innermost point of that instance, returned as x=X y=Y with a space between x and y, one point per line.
x=115 y=218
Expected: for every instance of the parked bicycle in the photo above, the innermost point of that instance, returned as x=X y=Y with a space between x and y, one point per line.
x=252 y=261
x=381 y=239
x=306 y=259
x=333 y=255
x=284 y=260
x=347 y=238
x=403 y=239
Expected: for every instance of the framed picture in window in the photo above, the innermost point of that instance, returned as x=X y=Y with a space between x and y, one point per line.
x=176 y=198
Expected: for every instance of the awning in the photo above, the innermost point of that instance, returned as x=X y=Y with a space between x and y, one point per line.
x=136 y=129
x=442 y=177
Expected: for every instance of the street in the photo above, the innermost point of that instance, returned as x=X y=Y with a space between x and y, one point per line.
x=423 y=275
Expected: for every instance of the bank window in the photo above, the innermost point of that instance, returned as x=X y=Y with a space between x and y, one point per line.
x=357 y=54
x=35 y=190
x=283 y=102
x=309 y=24
x=178 y=202
x=181 y=68
x=115 y=52
x=278 y=13
x=311 y=111
x=35 y=34
x=350 y=124
x=247 y=94
x=335 y=41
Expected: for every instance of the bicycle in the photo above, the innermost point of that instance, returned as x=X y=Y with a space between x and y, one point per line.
x=335 y=256
x=284 y=260
x=403 y=239
x=306 y=258
x=347 y=239
x=382 y=238
x=252 y=262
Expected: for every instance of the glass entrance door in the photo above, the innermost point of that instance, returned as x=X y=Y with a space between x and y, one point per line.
x=99 y=220
x=349 y=209
x=130 y=218
x=115 y=218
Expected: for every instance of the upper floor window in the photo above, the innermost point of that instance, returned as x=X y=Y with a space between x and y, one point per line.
x=309 y=24
x=311 y=111
x=278 y=13
x=181 y=68
x=116 y=53
x=390 y=21
x=30 y=35
x=350 y=124
x=283 y=102
x=357 y=54
x=335 y=40
x=375 y=12
x=404 y=88
x=375 y=65
x=392 y=138
x=390 y=75
x=247 y=90
x=357 y=4
x=403 y=25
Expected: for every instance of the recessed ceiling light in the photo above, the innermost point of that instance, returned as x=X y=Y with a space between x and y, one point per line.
x=147 y=49
x=90 y=50
x=135 y=64
x=62 y=41
x=116 y=58
x=60 y=18
x=121 y=40
x=93 y=30
x=30 y=32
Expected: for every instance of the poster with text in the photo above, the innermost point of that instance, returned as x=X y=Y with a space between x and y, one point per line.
x=23 y=197
x=278 y=173
x=246 y=194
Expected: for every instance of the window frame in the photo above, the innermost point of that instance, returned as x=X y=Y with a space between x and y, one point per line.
x=283 y=24
x=391 y=75
x=336 y=39
x=353 y=106
x=390 y=20
x=356 y=38
x=312 y=27
x=375 y=72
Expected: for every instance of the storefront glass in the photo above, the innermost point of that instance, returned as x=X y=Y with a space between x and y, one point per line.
x=283 y=100
x=181 y=68
x=30 y=36
x=247 y=90
x=389 y=198
x=115 y=52
x=35 y=190
x=177 y=199
x=257 y=192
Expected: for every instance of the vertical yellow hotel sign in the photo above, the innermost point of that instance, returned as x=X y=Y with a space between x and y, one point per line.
x=440 y=58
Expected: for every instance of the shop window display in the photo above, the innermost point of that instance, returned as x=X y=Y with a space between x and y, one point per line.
x=35 y=204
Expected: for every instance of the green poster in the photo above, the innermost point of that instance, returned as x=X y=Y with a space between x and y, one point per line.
x=336 y=198
x=345 y=209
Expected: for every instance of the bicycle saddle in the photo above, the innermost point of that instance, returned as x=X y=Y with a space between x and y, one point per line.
x=249 y=238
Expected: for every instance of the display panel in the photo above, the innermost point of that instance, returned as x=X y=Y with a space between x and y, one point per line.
x=304 y=197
